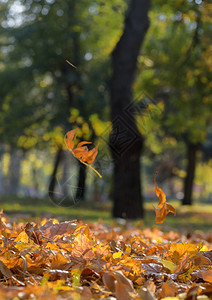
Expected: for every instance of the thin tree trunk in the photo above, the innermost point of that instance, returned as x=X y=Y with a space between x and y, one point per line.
x=80 y=194
x=54 y=173
x=126 y=142
x=65 y=175
x=191 y=164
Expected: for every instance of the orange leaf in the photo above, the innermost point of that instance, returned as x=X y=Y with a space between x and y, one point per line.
x=171 y=209
x=169 y=288
x=165 y=208
x=83 y=143
x=58 y=261
x=162 y=197
x=207 y=275
x=160 y=194
x=117 y=282
x=82 y=246
x=160 y=214
x=81 y=151
x=90 y=156
x=69 y=139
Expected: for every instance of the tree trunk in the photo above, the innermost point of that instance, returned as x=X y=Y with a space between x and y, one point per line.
x=80 y=194
x=191 y=164
x=126 y=142
x=54 y=173
x=12 y=180
x=65 y=175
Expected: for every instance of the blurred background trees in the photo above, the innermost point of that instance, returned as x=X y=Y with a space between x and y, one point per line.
x=42 y=96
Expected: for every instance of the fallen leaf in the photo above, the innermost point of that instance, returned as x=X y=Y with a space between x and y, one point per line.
x=207 y=275
x=5 y=271
x=51 y=229
x=169 y=288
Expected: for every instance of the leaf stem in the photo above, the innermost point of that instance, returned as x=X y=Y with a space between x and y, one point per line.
x=155 y=179
x=89 y=166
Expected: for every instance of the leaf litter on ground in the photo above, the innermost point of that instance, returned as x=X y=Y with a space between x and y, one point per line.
x=75 y=260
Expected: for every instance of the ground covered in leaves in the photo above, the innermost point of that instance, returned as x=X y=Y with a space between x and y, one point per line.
x=74 y=260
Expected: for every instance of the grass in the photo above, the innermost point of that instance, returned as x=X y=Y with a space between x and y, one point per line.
x=197 y=217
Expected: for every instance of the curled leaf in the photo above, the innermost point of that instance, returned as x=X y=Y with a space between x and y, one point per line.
x=81 y=151
x=90 y=156
x=69 y=136
x=164 y=207
x=160 y=214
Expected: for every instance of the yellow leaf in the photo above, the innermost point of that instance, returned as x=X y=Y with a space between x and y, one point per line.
x=204 y=248
x=168 y=264
x=117 y=254
x=76 y=273
x=24 y=246
x=22 y=237
x=52 y=246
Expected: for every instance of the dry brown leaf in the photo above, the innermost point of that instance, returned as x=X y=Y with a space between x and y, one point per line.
x=66 y=260
x=207 y=275
x=51 y=229
x=169 y=289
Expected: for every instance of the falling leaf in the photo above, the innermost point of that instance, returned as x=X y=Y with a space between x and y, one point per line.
x=162 y=197
x=164 y=207
x=90 y=156
x=81 y=151
x=160 y=214
x=69 y=139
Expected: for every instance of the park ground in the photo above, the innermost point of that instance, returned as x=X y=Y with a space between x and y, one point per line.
x=188 y=218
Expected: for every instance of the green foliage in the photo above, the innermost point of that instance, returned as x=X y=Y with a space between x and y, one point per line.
x=39 y=87
x=175 y=68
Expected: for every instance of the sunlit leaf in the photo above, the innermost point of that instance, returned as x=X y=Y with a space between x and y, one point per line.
x=168 y=264
x=22 y=237
x=81 y=151
x=69 y=136
x=164 y=207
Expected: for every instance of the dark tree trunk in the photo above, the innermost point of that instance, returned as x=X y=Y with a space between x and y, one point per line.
x=191 y=164
x=52 y=183
x=80 y=194
x=126 y=142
